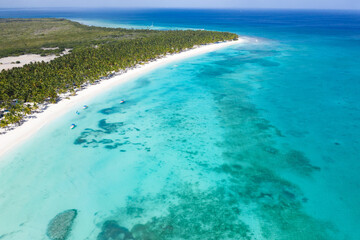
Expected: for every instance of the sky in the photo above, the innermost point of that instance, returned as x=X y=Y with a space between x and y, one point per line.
x=297 y=4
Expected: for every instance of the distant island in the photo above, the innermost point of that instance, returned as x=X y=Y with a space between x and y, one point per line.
x=63 y=57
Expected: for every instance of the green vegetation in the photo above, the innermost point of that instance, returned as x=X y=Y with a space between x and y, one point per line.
x=20 y=36
x=97 y=52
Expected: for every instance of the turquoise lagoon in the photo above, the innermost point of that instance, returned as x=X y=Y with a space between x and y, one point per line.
x=255 y=141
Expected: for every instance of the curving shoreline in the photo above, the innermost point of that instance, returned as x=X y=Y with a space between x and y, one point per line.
x=16 y=136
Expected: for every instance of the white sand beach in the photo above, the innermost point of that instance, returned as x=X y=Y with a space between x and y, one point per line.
x=14 y=137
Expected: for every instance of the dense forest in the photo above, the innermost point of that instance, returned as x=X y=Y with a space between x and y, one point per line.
x=21 y=36
x=97 y=52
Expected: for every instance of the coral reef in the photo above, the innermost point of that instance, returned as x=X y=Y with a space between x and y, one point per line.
x=60 y=226
x=112 y=231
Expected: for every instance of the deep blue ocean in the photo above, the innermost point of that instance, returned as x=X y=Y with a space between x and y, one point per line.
x=259 y=140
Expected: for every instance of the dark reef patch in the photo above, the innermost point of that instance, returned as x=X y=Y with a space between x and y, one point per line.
x=60 y=226
x=79 y=141
x=100 y=137
x=141 y=232
x=141 y=83
x=109 y=127
x=112 y=231
x=196 y=215
x=106 y=141
x=111 y=110
x=88 y=137
x=116 y=145
x=297 y=161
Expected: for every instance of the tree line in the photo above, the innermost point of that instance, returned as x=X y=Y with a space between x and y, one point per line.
x=22 y=89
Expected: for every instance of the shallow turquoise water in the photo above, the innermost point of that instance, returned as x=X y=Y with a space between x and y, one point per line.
x=255 y=141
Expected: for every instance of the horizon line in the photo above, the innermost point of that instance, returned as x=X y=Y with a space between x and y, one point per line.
x=180 y=8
